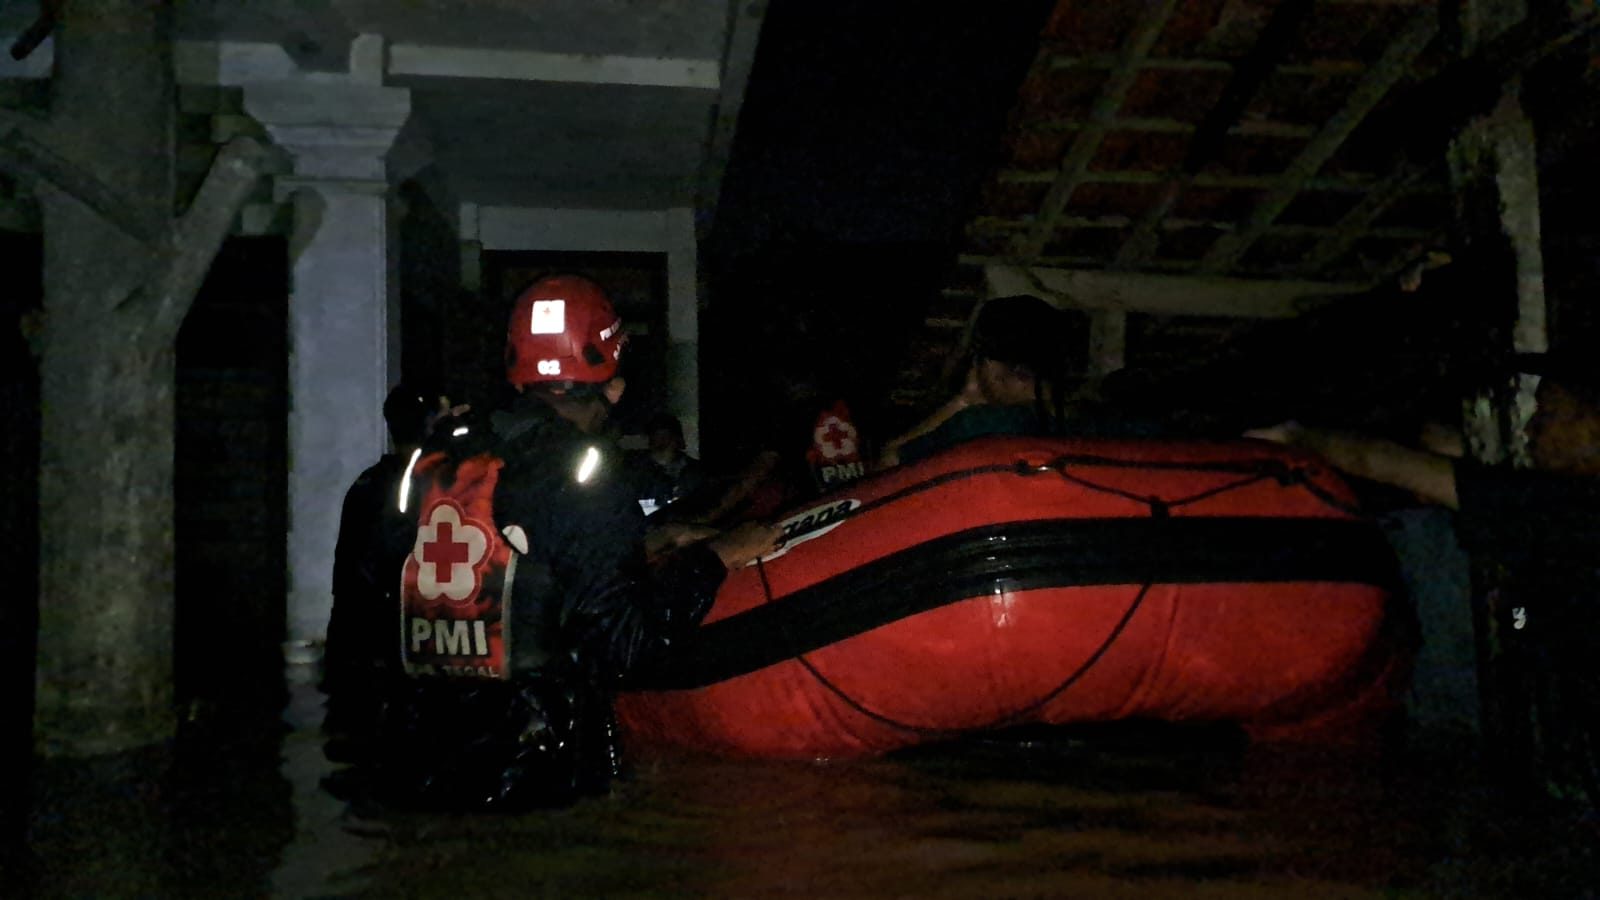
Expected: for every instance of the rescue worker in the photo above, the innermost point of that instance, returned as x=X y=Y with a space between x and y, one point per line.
x=664 y=472
x=1018 y=379
x=801 y=445
x=525 y=594
x=1015 y=383
x=358 y=639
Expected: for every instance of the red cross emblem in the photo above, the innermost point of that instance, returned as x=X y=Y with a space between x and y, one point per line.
x=835 y=437
x=448 y=550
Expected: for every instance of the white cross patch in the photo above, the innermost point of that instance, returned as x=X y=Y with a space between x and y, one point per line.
x=447 y=551
x=549 y=316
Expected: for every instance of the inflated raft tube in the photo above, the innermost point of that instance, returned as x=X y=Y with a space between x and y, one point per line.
x=1013 y=581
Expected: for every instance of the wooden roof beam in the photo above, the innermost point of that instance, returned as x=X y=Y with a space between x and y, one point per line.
x=992 y=224
x=1341 y=184
x=1248 y=76
x=1358 y=221
x=1388 y=71
x=1174 y=295
x=1251 y=128
x=1318 y=68
x=1186 y=267
x=1076 y=162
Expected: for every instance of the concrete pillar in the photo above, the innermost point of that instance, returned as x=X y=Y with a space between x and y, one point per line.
x=1494 y=165
x=1108 y=341
x=344 y=309
x=683 y=324
x=1493 y=162
x=471 y=248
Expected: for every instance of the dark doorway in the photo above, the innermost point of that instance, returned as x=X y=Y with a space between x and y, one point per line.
x=232 y=482
x=19 y=512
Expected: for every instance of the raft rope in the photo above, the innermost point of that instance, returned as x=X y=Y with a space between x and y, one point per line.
x=1014 y=717
x=1254 y=471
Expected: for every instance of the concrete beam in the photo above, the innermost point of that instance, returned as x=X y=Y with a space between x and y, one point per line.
x=527 y=65
x=227 y=63
x=744 y=27
x=1173 y=295
x=525 y=228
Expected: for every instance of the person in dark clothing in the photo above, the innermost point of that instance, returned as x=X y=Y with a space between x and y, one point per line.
x=1015 y=383
x=525 y=594
x=1532 y=534
x=803 y=443
x=664 y=470
x=1020 y=369
x=358 y=637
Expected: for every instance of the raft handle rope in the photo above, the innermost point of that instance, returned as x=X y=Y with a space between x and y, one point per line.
x=1253 y=471
x=1015 y=717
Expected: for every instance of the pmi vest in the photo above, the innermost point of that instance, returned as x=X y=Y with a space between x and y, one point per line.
x=835 y=456
x=455 y=586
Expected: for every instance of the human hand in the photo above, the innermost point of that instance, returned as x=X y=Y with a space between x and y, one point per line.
x=1288 y=432
x=443 y=413
x=971 y=390
x=1445 y=440
x=671 y=535
x=744 y=544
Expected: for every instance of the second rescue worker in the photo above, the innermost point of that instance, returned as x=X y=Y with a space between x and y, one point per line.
x=524 y=589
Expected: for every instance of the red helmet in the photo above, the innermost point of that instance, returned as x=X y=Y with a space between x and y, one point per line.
x=563 y=329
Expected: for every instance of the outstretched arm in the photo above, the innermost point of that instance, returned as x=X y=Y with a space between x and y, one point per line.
x=969 y=395
x=1430 y=476
x=762 y=466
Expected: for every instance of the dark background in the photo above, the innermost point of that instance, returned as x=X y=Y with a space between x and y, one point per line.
x=865 y=132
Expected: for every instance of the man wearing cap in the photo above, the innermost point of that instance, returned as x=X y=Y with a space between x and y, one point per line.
x=1533 y=533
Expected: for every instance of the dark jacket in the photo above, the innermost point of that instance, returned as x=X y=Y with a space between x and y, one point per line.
x=586 y=609
x=1532 y=536
x=360 y=630
x=597 y=600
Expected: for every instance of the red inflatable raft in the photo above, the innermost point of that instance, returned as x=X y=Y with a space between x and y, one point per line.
x=1044 y=580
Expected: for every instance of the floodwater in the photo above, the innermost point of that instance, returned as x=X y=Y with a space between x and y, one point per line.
x=1132 y=814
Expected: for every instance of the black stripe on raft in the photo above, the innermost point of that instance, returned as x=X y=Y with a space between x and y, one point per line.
x=1020 y=556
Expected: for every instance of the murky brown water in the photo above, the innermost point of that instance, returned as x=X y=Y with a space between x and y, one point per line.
x=1179 y=814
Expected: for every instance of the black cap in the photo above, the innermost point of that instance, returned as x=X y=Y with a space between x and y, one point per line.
x=407 y=409
x=1020 y=328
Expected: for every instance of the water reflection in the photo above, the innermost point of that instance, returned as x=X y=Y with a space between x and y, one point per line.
x=1134 y=813
x=205 y=816
x=1113 y=818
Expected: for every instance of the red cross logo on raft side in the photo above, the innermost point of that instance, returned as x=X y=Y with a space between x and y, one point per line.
x=835 y=437
x=449 y=549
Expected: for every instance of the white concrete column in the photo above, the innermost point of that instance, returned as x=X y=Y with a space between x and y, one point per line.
x=471 y=248
x=683 y=324
x=1108 y=341
x=344 y=309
